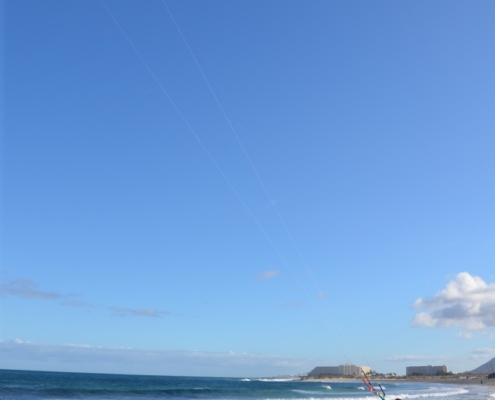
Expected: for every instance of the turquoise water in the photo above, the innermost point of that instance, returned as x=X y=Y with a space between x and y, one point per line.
x=25 y=385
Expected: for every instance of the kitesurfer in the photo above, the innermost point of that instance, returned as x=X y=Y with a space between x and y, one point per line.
x=373 y=390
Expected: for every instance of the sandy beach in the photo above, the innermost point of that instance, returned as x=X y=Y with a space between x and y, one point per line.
x=457 y=381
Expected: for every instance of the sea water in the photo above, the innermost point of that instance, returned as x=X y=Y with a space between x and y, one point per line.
x=27 y=385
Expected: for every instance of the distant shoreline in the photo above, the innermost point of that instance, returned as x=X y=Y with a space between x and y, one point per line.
x=454 y=381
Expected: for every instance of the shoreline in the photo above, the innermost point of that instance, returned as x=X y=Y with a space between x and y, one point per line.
x=453 y=381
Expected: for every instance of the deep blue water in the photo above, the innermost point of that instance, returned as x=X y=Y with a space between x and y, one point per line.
x=26 y=385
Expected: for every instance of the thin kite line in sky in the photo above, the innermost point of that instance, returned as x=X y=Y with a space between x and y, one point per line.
x=221 y=171
x=272 y=202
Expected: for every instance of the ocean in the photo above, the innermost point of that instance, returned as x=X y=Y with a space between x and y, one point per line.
x=27 y=385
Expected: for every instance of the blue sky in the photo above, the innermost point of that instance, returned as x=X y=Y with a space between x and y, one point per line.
x=345 y=173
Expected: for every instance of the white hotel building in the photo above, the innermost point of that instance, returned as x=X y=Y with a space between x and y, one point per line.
x=341 y=370
x=427 y=370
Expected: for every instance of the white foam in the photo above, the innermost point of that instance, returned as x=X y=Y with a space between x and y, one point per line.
x=492 y=395
x=361 y=388
x=401 y=396
x=435 y=394
x=328 y=387
x=246 y=380
x=276 y=380
x=305 y=391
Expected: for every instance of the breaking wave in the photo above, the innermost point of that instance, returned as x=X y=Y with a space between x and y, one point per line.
x=305 y=391
x=436 y=394
x=404 y=396
x=276 y=380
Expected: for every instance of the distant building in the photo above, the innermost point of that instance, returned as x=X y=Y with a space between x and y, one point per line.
x=320 y=371
x=366 y=370
x=341 y=370
x=427 y=370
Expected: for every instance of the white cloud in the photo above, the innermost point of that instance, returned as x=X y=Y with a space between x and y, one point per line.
x=485 y=351
x=267 y=275
x=467 y=302
x=19 y=341
x=76 y=345
x=464 y=334
x=26 y=289
x=18 y=354
x=424 y=319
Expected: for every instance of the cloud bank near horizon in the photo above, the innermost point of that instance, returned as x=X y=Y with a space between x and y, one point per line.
x=18 y=354
x=401 y=358
x=485 y=350
x=467 y=302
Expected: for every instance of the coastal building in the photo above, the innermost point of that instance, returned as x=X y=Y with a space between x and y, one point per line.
x=366 y=369
x=341 y=370
x=321 y=371
x=427 y=370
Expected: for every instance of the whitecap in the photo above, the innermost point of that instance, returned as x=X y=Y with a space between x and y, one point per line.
x=246 y=380
x=328 y=387
x=435 y=394
x=401 y=396
x=361 y=388
x=275 y=380
x=305 y=391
